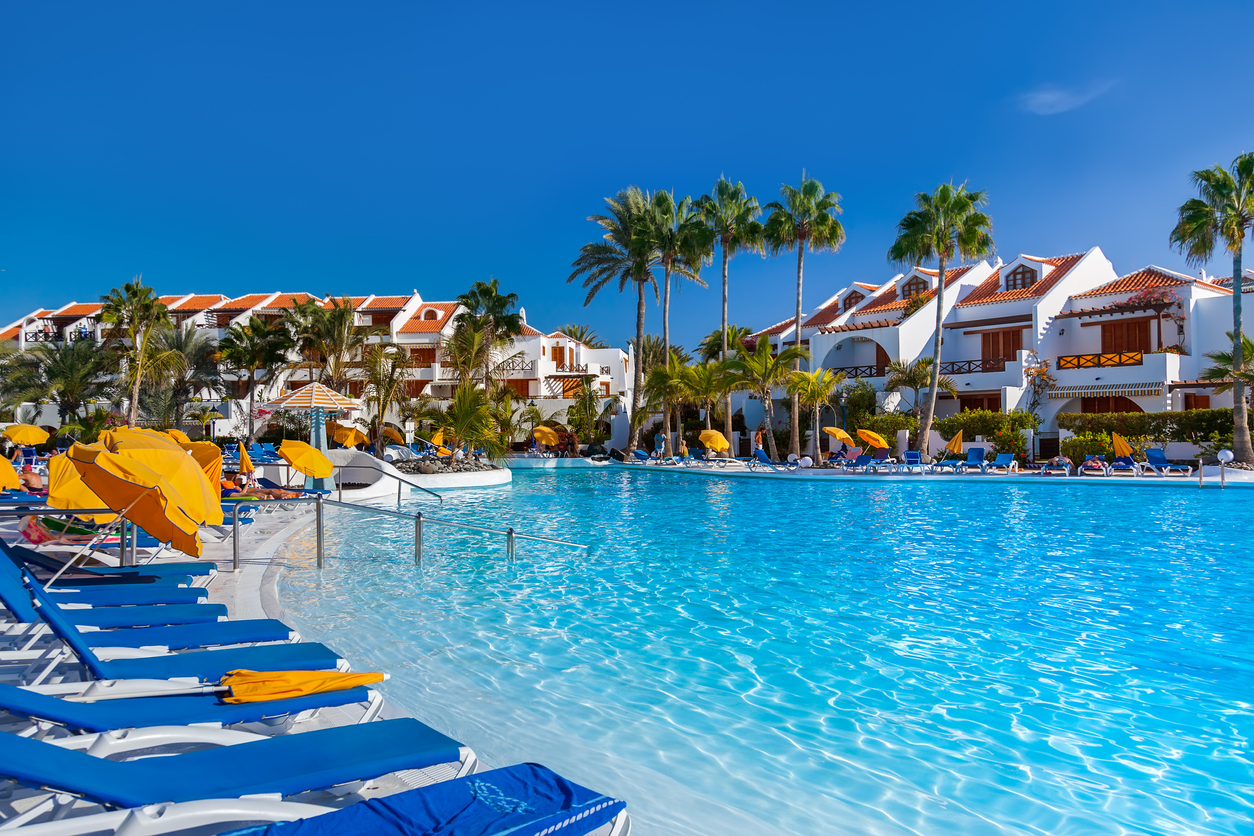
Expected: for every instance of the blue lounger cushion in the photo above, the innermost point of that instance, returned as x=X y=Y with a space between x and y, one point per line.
x=144 y=712
x=149 y=616
x=523 y=800
x=22 y=555
x=122 y=595
x=16 y=600
x=286 y=764
x=186 y=636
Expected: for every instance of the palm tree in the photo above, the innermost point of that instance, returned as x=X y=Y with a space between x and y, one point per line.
x=494 y=314
x=587 y=408
x=917 y=375
x=258 y=348
x=200 y=367
x=666 y=386
x=204 y=415
x=760 y=371
x=623 y=257
x=729 y=214
x=946 y=224
x=814 y=390
x=583 y=334
x=1224 y=211
x=65 y=373
x=385 y=371
x=709 y=383
x=467 y=351
x=329 y=338
x=1224 y=372
x=675 y=232
x=806 y=219
x=712 y=344
x=136 y=316
x=467 y=420
x=653 y=354
x=87 y=428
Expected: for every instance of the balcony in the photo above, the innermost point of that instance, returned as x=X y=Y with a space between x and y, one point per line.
x=1101 y=361
x=42 y=337
x=992 y=364
x=518 y=368
x=860 y=371
x=571 y=368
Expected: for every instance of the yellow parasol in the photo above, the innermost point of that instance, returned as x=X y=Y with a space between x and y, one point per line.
x=9 y=480
x=26 y=434
x=545 y=436
x=955 y=444
x=166 y=457
x=714 y=440
x=438 y=438
x=839 y=434
x=179 y=436
x=394 y=435
x=306 y=459
x=261 y=686
x=140 y=494
x=349 y=436
x=873 y=438
x=66 y=490
x=1122 y=447
x=209 y=456
x=245 y=462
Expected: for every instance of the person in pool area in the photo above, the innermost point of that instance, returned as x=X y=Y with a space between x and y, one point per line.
x=683 y=449
x=757 y=438
x=241 y=485
x=659 y=444
x=1061 y=461
x=1093 y=463
x=31 y=481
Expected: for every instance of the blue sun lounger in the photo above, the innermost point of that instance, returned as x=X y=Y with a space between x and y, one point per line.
x=860 y=463
x=1005 y=463
x=974 y=460
x=206 y=665
x=284 y=765
x=121 y=594
x=525 y=799
x=912 y=460
x=1156 y=461
x=1123 y=465
x=22 y=555
x=761 y=458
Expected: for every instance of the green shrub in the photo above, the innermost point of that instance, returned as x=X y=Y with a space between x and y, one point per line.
x=1007 y=440
x=1082 y=445
x=1193 y=425
x=985 y=422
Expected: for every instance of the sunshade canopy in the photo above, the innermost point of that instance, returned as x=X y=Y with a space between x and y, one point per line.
x=168 y=458
x=209 y=456
x=1122 y=447
x=261 y=686
x=25 y=434
x=873 y=438
x=955 y=444
x=8 y=477
x=141 y=494
x=66 y=490
x=394 y=435
x=179 y=436
x=714 y=440
x=349 y=436
x=544 y=435
x=305 y=459
x=438 y=438
x=245 y=462
x=839 y=434
x=314 y=395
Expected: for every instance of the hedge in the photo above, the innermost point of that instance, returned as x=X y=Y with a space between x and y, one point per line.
x=985 y=422
x=1193 y=425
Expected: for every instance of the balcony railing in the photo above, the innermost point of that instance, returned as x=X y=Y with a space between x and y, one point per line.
x=606 y=371
x=518 y=368
x=860 y=371
x=571 y=368
x=42 y=336
x=992 y=364
x=1101 y=361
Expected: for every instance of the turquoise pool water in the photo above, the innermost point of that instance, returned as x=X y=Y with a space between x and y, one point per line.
x=873 y=657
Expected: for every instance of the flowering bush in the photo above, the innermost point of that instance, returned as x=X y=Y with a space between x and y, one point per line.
x=1007 y=440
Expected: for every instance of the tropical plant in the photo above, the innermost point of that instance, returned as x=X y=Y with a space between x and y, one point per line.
x=623 y=257
x=729 y=214
x=588 y=409
x=760 y=371
x=467 y=420
x=199 y=368
x=1225 y=372
x=88 y=428
x=711 y=346
x=1224 y=213
x=652 y=354
x=67 y=374
x=945 y=224
x=259 y=349
x=385 y=371
x=135 y=316
x=505 y=413
x=681 y=242
x=665 y=384
x=422 y=410
x=494 y=315
x=583 y=334
x=707 y=384
x=204 y=415
x=916 y=376
x=815 y=390
x=805 y=219
x=157 y=407
x=466 y=351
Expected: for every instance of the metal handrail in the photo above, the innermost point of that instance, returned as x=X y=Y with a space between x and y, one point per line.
x=398 y=479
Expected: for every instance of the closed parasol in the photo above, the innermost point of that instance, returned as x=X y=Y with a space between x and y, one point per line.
x=955 y=444
x=1122 y=447
x=306 y=459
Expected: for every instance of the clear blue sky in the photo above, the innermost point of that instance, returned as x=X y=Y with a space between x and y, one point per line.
x=352 y=148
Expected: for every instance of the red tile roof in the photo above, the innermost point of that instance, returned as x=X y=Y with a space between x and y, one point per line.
x=287 y=300
x=79 y=310
x=244 y=303
x=824 y=315
x=387 y=303
x=528 y=331
x=860 y=326
x=888 y=301
x=418 y=325
x=777 y=328
x=989 y=290
x=196 y=304
x=866 y=286
x=1143 y=279
x=334 y=301
x=11 y=333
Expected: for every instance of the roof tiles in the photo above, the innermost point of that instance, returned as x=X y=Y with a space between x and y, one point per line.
x=196 y=304
x=989 y=291
x=1144 y=279
x=244 y=303
x=418 y=325
x=888 y=301
x=79 y=310
x=387 y=303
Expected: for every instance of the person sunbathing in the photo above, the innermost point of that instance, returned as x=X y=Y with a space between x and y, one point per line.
x=31 y=481
x=39 y=534
x=245 y=488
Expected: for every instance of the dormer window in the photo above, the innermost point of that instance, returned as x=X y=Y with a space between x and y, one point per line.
x=431 y=313
x=1020 y=278
x=914 y=287
x=851 y=300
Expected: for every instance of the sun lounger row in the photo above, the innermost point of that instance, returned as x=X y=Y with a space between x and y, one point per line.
x=108 y=725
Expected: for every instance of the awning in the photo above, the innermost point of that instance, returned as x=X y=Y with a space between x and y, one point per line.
x=1128 y=390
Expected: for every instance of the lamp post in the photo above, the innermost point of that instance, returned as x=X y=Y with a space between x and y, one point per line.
x=842 y=399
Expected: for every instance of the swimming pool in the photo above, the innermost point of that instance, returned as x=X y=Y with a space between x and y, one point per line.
x=873 y=657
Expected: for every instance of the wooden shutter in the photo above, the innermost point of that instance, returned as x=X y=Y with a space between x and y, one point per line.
x=990 y=344
x=1011 y=343
x=881 y=356
x=559 y=355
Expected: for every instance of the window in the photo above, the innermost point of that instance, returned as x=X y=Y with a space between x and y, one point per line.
x=1021 y=278
x=422 y=357
x=1000 y=345
x=914 y=287
x=1108 y=403
x=430 y=314
x=851 y=300
x=967 y=403
x=559 y=355
x=1192 y=401
x=1129 y=335
x=605 y=388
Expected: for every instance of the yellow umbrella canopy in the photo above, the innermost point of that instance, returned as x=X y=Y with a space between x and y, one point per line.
x=544 y=435
x=165 y=456
x=261 y=686
x=306 y=459
x=245 y=462
x=209 y=456
x=66 y=490
x=25 y=434
x=140 y=494
x=873 y=438
x=394 y=435
x=8 y=477
x=839 y=434
x=137 y=438
x=1122 y=447
x=714 y=440
x=955 y=444
x=349 y=436
x=438 y=438
x=179 y=436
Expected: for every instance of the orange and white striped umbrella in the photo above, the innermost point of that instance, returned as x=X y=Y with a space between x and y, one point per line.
x=313 y=396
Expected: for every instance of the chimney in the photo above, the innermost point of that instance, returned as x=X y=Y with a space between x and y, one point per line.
x=522 y=315
x=997 y=264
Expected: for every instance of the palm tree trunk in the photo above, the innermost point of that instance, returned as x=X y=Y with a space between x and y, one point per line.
x=1242 y=449
x=727 y=415
x=252 y=413
x=794 y=436
x=637 y=392
x=770 y=424
x=667 y=450
x=926 y=429
x=133 y=418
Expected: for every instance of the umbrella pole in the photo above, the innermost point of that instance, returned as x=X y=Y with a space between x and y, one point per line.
x=130 y=695
x=87 y=548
